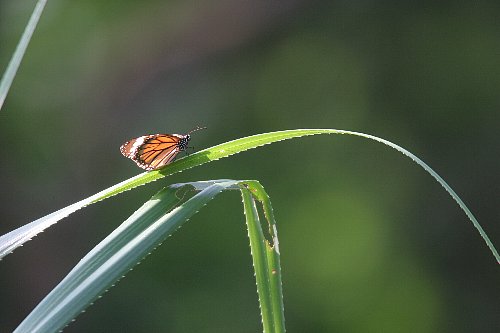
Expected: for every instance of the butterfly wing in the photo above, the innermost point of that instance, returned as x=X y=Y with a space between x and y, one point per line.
x=151 y=152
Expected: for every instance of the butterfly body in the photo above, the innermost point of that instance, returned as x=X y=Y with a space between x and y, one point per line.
x=151 y=152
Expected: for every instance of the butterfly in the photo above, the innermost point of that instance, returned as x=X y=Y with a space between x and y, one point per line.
x=151 y=152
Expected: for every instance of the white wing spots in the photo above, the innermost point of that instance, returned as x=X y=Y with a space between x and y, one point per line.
x=137 y=144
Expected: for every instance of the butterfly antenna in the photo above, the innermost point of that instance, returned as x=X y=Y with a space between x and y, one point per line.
x=197 y=128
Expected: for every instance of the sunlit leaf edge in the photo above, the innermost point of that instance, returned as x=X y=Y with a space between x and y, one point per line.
x=218 y=152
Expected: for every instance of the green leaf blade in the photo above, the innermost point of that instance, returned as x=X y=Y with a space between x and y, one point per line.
x=265 y=256
x=258 y=252
x=240 y=145
x=115 y=256
x=17 y=57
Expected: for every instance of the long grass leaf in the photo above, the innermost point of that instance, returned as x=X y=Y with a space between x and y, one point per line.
x=15 y=238
x=272 y=249
x=230 y=148
x=117 y=254
x=258 y=251
x=15 y=61
x=265 y=256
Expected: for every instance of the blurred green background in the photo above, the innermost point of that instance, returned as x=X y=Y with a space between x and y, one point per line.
x=369 y=242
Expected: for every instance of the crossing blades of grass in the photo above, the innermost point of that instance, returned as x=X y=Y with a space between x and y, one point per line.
x=142 y=233
x=16 y=238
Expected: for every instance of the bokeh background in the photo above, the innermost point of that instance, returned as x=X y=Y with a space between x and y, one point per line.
x=369 y=241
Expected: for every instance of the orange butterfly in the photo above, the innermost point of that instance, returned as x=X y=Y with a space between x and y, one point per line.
x=151 y=152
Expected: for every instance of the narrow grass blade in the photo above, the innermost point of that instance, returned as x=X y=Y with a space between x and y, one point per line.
x=258 y=251
x=273 y=256
x=221 y=151
x=12 y=240
x=15 y=61
x=265 y=256
x=117 y=254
